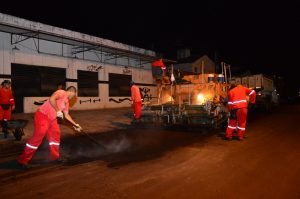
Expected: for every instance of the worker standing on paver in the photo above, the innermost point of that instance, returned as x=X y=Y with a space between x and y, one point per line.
x=46 y=123
x=136 y=101
x=7 y=103
x=238 y=109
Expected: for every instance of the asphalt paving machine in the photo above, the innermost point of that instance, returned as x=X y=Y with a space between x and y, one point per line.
x=188 y=99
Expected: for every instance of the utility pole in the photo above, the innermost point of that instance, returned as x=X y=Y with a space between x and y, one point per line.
x=216 y=63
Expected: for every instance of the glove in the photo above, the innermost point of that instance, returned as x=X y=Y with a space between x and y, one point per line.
x=59 y=115
x=77 y=128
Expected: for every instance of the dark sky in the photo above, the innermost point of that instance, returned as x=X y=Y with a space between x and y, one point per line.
x=259 y=35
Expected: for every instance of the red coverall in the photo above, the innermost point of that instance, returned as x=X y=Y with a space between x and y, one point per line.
x=45 y=123
x=6 y=97
x=237 y=101
x=137 y=101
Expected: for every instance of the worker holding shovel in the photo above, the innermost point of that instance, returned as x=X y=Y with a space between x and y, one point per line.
x=46 y=124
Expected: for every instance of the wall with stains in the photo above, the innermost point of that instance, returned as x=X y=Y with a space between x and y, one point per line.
x=26 y=54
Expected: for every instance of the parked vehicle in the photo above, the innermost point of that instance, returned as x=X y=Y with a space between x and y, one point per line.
x=267 y=96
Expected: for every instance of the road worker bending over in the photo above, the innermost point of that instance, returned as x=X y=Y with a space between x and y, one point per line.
x=46 y=124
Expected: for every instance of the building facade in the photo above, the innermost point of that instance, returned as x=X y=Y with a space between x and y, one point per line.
x=37 y=57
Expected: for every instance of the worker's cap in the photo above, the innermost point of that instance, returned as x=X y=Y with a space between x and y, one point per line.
x=131 y=83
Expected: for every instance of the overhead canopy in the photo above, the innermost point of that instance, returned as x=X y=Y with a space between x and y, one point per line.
x=81 y=42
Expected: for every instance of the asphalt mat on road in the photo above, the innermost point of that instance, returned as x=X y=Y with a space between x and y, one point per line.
x=149 y=162
x=116 y=148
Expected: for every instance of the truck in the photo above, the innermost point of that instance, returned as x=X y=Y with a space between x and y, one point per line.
x=266 y=94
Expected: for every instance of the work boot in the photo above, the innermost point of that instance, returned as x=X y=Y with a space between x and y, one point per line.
x=61 y=160
x=135 y=121
x=227 y=139
x=24 y=166
x=4 y=128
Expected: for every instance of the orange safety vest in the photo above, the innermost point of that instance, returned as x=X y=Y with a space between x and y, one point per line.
x=237 y=97
x=6 y=96
x=135 y=94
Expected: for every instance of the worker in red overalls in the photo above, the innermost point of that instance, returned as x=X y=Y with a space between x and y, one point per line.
x=136 y=101
x=7 y=103
x=45 y=123
x=237 y=106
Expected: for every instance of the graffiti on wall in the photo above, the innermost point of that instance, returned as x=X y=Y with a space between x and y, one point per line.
x=146 y=94
x=119 y=100
x=89 y=100
x=126 y=70
x=40 y=102
x=83 y=101
x=94 y=68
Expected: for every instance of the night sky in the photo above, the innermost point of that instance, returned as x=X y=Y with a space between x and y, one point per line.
x=252 y=35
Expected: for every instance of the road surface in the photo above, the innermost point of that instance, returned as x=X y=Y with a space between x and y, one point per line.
x=147 y=162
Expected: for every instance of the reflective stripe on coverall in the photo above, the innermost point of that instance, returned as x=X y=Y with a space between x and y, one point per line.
x=237 y=101
x=42 y=126
x=45 y=123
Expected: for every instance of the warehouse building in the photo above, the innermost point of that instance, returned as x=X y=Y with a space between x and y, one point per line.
x=37 y=57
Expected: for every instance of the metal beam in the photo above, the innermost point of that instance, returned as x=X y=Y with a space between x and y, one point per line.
x=84 y=49
x=23 y=35
x=80 y=46
x=115 y=56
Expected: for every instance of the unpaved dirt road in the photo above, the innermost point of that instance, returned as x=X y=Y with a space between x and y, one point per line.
x=151 y=163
